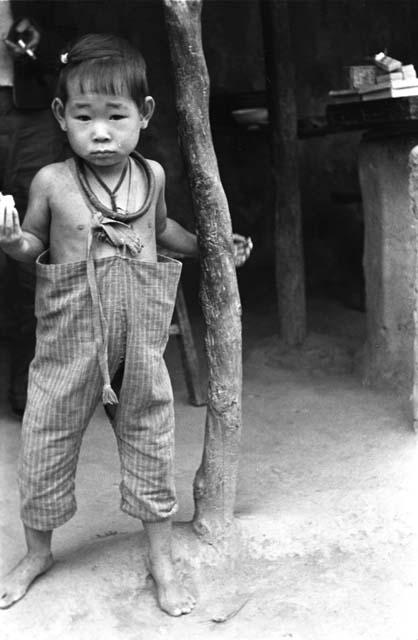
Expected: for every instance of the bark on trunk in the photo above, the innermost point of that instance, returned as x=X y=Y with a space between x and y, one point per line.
x=215 y=481
x=413 y=194
x=280 y=84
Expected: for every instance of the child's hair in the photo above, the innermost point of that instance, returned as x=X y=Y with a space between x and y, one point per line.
x=102 y=63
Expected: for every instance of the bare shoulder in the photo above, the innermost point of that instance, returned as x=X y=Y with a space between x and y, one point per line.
x=44 y=191
x=158 y=172
x=51 y=177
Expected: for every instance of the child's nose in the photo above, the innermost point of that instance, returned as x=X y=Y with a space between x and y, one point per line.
x=100 y=131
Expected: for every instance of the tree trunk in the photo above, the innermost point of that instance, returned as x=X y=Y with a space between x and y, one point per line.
x=413 y=195
x=280 y=83
x=215 y=481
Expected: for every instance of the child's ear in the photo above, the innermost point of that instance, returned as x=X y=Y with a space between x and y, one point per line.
x=147 y=111
x=58 y=110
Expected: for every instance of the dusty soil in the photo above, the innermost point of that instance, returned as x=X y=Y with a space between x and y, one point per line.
x=326 y=507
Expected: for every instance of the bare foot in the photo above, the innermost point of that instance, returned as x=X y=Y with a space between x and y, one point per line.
x=16 y=583
x=172 y=595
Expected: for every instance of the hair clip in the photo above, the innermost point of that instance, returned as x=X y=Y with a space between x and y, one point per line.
x=64 y=58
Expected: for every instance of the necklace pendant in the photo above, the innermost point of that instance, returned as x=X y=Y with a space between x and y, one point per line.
x=113 y=202
x=114 y=212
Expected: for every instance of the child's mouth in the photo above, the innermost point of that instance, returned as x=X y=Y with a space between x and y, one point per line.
x=103 y=153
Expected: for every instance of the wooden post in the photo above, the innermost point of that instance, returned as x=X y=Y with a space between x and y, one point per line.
x=215 y=481
x=389 y=259
x=183 y=330
x=289 y=262
x=413 y=194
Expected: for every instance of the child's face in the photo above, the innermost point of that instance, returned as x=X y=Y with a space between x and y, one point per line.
x=102 y=129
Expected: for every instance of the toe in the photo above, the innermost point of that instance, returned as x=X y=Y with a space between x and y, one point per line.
x=5 y=601
x=188 y=604
x=172 y=610
x=187 y=608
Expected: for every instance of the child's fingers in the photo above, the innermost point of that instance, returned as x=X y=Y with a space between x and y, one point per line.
x=244 y=247
x=242 y=250
x=241 y=240
x=237 y=238
x=16 y=221
x=3 y=207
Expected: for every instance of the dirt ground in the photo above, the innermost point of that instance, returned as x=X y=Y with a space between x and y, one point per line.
x=326 y=506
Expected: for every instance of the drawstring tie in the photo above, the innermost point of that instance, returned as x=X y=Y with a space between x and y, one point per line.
x=121 y=235
x=114 y=228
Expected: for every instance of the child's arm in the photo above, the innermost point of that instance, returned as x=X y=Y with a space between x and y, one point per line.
x=177 y=239
x=174 y=237
x=25 y=245
x=169 y=234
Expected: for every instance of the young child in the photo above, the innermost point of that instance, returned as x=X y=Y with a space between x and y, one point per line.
x=104 y=305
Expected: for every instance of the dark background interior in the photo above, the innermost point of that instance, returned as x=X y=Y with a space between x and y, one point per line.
x=327 y=36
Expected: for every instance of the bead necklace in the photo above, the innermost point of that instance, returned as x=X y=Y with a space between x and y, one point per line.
x=112 y=193
x=98 y=206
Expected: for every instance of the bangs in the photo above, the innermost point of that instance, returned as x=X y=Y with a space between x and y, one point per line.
x=109 y=76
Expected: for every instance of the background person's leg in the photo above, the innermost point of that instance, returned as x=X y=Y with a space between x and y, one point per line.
x=36 y=142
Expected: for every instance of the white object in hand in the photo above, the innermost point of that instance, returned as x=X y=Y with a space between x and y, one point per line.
x=8 y=202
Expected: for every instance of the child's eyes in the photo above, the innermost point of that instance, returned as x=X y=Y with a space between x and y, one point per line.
x=114 y=116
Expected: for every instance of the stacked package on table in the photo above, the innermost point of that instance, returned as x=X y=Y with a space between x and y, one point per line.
x=386 y=78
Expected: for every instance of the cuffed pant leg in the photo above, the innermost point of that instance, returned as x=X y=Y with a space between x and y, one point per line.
x=145 y=436
x=20 y=299
x=61 y=400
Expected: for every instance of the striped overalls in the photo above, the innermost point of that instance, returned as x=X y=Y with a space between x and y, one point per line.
x=65 y=385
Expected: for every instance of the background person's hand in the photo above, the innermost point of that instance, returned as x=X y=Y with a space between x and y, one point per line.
x=27 y=32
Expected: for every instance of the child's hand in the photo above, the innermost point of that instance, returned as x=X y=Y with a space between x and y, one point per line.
x=10 y=231
x=242 y=249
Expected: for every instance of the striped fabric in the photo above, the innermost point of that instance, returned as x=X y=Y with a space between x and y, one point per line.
x=65 y=386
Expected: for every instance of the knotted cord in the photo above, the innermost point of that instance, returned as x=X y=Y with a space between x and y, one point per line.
x=108 y=225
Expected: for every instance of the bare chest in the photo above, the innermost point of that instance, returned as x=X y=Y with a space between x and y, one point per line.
x=71 y=222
